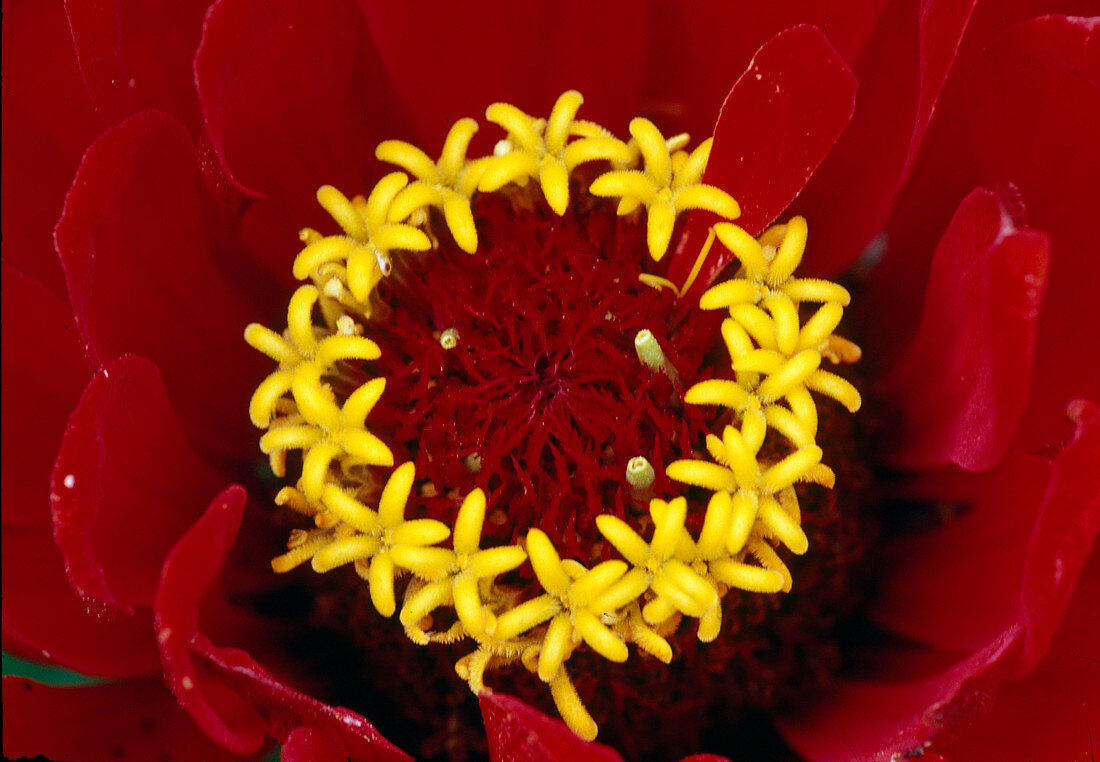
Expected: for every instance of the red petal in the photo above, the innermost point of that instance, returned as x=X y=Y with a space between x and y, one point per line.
x=518 y=733
x=778 y=122
x=1067 y=683
x=140 y=257
x=128 y=720
x=1023 y=105
x=467 y=56
x=191 y=566
x=48 y=121
x=962 y=385
x=862 y=719
x=1047 y=82
x=44 y=371
x=875 y=721
x=126 y=485
x=230 y=696
x=311 y=745
x=1019 y=550
x=285 y=710
x=294 y=97
x=701 y=51
x=900 y=73
x=136 y=56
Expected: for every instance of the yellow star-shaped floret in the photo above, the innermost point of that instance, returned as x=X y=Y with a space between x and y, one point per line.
x=666 y=188
x=323 y=430
x=537 y=148
x=446 y=184
x=384 y=538
x=764 y=376
x=582 y=597
x=765 y=299
x=662 y=565
x=763 y=500
x=468 y=568
x=369 y=237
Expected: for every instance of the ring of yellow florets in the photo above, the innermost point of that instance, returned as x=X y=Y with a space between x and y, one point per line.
x=642 y=598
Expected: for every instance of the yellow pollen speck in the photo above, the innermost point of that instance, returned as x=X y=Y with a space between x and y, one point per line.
x=438 y=579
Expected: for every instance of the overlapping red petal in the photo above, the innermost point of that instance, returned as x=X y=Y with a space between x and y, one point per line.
x=878 y=720
x=139 y=243
x=134 y=57
x=779 y=121
x=47 y=135
x=901 y=72
x=136 y=719
x=962 y=384
x=294 y=96
x=125 y=487
x=230 y=696
x=1011 y=565
x=471 y=55
x=694 y=57
x=43 y=618
x=1051 y=714
x=1020 y=118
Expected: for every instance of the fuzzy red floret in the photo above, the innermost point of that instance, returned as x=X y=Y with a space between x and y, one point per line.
x=545 y=385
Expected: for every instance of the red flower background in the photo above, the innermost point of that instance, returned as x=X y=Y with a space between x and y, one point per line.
x=197 y=137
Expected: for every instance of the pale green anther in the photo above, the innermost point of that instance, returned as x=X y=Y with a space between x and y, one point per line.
x=650 y=352
x=639 y=473
x=449 y=338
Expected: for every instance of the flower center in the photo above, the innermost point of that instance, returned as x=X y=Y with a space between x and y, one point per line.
x=588 y=462
x=514 y=370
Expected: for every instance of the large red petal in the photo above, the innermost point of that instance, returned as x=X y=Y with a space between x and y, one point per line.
x=233 y=699
x=1046 y=78
x=137 y=55
x=518 y=733
x=48 y=121
x=1028 y=565
x=878 y=720
x=141 y=256
x=127 y=720
x=44 y=372
x=900 y=73
x=1012 y=561
x=294 y=97
x=962 y=384
x=777 y=124
x=1052 y=713
x=468 y=55
x=125 y=487
x=1020 y=107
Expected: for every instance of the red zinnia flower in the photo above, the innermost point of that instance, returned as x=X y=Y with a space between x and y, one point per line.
x=126 y=384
